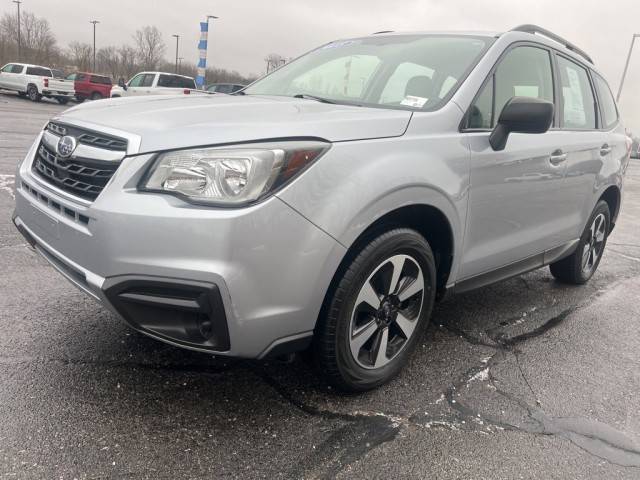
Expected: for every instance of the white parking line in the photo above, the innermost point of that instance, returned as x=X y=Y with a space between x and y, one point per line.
x=6 y=184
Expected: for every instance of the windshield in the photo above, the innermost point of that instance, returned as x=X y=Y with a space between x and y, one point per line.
x=396 y=71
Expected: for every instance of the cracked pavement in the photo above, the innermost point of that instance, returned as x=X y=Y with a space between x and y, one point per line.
x=524 y=379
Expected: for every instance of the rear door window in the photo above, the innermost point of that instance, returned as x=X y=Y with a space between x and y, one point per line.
x=607 y=103
x=39 y=72
x=577 y=99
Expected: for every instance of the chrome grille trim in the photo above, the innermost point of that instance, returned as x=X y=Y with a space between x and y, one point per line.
x=87 y=171
x=89 y=137
x=84 y=151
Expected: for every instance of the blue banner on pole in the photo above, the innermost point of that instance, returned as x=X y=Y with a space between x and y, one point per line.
x=202 y=47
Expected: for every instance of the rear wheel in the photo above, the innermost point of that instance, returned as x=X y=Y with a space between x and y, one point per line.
x=580 y=266
x=96 y=96
x=377 y=312
x=32 y=92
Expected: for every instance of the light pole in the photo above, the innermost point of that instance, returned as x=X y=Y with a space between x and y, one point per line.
x=95 y=22
x=18 y=2
x=177 y=42
x=626 y=65
x=180 y=63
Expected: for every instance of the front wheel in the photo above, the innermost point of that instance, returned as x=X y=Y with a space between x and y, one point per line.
x=580 y=266
x=377 y=312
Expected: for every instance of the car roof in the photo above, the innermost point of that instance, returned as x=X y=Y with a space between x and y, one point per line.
x=532 y=33
x=29 y=65
x=165 y=73
x=92 y=73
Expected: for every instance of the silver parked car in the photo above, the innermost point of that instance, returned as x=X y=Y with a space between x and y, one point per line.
x=330 y=203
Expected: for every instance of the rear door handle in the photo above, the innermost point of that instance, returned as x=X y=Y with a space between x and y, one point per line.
x=605 y=150
x=557 y=157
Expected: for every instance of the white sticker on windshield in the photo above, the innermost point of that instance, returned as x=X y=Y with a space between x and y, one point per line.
x=416 y=102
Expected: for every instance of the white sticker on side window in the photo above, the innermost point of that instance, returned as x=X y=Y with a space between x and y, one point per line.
x=412 y=101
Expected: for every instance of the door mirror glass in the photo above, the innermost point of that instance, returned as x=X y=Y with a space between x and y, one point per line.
x=521 y=115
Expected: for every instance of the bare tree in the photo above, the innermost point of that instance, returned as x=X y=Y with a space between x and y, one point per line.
x=81 y=54
x=274 y=60
x=108 y=61
x=128 y=65
x=38 y=41
x=150 y=46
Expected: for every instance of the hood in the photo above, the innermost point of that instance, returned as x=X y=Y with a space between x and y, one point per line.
x=168 y=122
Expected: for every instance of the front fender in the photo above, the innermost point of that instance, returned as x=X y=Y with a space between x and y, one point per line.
x=357 y=183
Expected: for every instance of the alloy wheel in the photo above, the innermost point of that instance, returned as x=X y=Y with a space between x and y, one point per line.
x=386 y=311
x=595 y=243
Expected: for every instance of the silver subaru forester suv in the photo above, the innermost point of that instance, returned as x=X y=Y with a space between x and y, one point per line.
x=330 y=203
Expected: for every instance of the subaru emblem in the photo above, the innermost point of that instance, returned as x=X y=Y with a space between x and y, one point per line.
x=66 y=146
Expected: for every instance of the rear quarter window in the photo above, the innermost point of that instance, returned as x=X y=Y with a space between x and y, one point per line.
x=608 y=106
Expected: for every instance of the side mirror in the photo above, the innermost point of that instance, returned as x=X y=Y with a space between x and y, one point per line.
x=121 y=83
x=521 y=115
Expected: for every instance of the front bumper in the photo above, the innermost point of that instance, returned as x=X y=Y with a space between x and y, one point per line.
x=264 y=269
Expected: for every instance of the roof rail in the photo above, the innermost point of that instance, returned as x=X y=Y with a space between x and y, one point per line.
x=533 y=29
x=382 y=31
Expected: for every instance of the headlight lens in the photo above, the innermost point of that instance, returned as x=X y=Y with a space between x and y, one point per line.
x=230 y=176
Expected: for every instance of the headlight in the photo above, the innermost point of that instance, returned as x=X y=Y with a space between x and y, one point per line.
x=230 y=176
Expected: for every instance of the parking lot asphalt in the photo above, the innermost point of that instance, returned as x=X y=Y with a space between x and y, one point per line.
x=524 y=379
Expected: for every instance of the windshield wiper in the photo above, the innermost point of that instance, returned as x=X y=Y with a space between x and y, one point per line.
x=313 y=97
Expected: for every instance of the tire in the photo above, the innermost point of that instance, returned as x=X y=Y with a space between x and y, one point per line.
x=79 y=99
x=96 y=96
x=62 y=100
x=579 y=267
x=352 y=361
x=32 y=93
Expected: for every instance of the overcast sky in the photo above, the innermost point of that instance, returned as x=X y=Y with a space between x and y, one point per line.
x=248 y=30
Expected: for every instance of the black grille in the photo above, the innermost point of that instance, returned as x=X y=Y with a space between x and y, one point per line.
x=87 y=137
x=82 y=177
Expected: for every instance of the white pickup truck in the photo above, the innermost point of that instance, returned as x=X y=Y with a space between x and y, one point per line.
x=155 y=83
x=35 y=82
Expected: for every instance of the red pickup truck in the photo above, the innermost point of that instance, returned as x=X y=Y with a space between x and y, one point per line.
x=90 y=85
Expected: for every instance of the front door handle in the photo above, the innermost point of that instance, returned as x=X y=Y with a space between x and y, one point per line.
x=557 y=157
x=605 y=150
